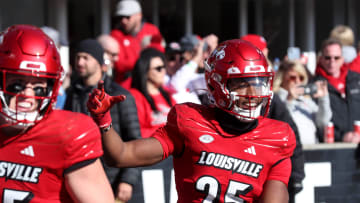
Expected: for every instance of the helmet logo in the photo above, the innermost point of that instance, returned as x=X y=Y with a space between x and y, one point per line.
x=32 y=65
x=233 y=70
x=219 y=52
x=254 y=69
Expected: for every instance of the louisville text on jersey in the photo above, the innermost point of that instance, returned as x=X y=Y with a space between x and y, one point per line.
x=19 y=172
x=230 y=163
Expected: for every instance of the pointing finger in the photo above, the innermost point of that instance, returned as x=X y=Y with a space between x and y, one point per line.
x=116 y=99
x=101 y=88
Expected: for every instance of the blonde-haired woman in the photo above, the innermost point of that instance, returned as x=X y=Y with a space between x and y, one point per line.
x=346 y=37
x=308 y=104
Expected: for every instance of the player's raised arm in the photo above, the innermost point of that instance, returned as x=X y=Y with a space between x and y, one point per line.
x=118 y=153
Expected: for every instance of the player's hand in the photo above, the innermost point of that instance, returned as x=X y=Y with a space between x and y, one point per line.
x=100 y=103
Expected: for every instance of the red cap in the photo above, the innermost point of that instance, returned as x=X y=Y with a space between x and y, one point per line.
x=157 y=43
x=256 y=40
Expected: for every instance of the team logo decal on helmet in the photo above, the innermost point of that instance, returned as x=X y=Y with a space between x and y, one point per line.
x=234 y=70
x=32 y=66
x=219 y=52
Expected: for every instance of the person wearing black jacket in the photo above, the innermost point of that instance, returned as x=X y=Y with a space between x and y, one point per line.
x=90 y=69
x=278 y=111
x=344 y=89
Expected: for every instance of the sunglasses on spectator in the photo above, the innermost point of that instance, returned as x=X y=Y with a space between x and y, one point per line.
x=295 y=77
x=159 y=68
x=332 y=57
x=174 y=58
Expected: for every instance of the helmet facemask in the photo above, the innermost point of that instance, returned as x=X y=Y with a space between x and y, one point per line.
x=19 y=109
x=249 y=96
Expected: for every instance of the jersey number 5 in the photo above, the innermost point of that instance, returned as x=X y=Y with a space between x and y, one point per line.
x=12 y=196
x=211 y=187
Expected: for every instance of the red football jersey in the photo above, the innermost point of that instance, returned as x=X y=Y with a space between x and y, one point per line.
x=211 y=164
x=32 y=165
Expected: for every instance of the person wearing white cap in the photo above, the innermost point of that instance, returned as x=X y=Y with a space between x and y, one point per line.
x=130 y=31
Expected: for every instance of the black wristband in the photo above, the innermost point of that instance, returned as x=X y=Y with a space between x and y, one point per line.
x=105 y=129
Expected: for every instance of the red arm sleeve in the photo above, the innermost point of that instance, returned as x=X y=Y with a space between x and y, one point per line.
x=169 y=136
x=83 y=143
x=281 y=171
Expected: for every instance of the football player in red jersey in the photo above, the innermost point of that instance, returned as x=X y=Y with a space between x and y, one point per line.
x=46 y=155
x=227 y=151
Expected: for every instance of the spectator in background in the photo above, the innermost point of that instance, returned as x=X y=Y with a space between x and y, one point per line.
x=156 y=41
x=65 y=79
x=89 y=65
x=190 y=52
x=189 y=44
x=344 y=88
x=174 y=61
x=152 y=100
x=310 y=117
x=42 y=157
x=193 y=55
x=345 y=35
x=189 y=78
x=174 y=58
x=130 y=31
x=111 y=49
